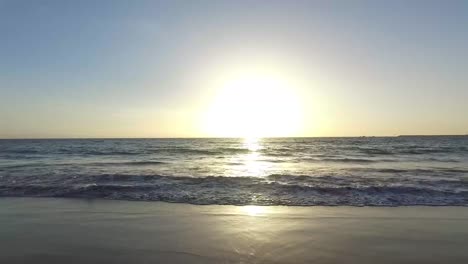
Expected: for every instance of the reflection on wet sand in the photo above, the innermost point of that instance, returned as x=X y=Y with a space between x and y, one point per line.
x=39 y=231
x=254 y=210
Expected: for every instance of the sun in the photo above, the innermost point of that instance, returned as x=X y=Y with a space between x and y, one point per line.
x=254 y=104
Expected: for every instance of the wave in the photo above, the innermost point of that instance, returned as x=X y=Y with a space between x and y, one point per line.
x=103 y=164
x=278 y=154
x=249 y=190
x=232 y=150
x=410 y=150
x=200 y=151
x=129 y=163
x=375 y=151
x=427 y=150
x=343 y=160
x=411 y=172
x=103 y=153
x=21 y=151
x=280 y=151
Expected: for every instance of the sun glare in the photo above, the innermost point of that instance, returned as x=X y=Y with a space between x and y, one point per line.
x=253 y=105
x=253 y=210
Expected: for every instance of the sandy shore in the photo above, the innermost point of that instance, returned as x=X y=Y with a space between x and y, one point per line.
x=98 y=231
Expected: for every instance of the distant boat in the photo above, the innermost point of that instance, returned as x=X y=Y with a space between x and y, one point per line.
x=433 y=135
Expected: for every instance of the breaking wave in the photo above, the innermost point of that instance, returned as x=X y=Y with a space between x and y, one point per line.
x=271 y=190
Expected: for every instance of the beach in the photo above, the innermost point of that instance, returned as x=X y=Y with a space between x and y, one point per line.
x=50 y=230
x=233 y=132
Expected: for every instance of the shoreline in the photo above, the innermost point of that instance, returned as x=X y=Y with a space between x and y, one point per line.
x=237 y=205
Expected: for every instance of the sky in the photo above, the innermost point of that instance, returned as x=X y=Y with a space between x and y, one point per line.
x=156 y=68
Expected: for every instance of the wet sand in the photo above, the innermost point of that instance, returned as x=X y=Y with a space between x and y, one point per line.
x=41 y=230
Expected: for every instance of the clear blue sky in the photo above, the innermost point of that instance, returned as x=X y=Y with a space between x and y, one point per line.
x=142 y=68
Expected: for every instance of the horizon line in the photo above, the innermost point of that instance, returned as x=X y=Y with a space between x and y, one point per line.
x=395 y=136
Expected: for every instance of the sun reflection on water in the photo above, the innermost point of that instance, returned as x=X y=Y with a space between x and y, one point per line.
x=253 y=164
x=252 y=144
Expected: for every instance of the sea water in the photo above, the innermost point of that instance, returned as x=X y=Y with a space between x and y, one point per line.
x=373 y=171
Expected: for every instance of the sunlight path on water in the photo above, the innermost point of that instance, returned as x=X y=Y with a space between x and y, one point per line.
x=253 y=162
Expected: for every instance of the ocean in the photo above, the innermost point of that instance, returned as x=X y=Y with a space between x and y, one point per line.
x=371 y=171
